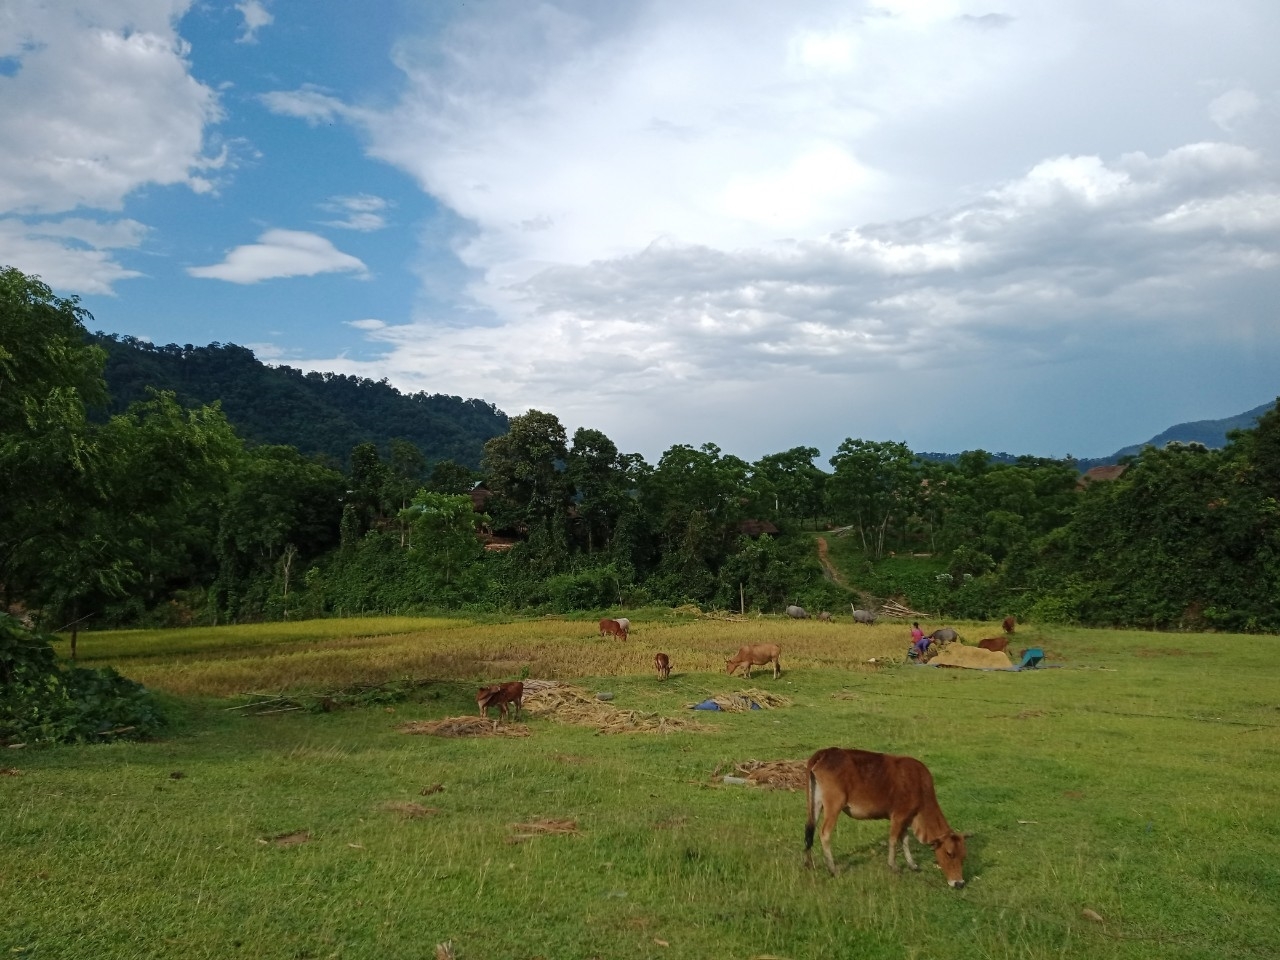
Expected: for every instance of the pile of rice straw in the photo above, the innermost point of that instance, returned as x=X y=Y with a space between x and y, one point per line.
x=958 y=655
x=742 y=700
x=465 y=727
x=563 y=703
x=777 y=774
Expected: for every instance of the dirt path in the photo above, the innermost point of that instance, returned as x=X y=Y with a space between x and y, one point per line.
x=828 y=568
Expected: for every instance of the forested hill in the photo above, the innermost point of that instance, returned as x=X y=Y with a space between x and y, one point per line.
x=325 y=413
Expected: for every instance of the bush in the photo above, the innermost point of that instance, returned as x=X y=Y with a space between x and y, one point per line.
x=43 y=703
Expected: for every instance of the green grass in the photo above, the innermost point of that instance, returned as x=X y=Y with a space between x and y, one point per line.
x=1139 y=780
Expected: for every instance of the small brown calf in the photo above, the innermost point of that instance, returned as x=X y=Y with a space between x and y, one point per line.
x=880 y=786
x=1009 y=624
x=999 y=644
x=499 y=695
x=756 y=655
x=662 y=663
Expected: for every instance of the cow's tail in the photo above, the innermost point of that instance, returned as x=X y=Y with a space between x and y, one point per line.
x=811 y=796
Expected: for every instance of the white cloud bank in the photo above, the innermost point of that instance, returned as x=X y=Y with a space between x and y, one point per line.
x=100 y=101
x=730 y=219
x=281 y=253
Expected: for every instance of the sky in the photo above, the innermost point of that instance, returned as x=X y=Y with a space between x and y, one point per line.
x=1037 y=227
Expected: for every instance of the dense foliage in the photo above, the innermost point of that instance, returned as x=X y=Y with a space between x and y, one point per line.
x=42 y=702
x=319 y=413
x=158 y=511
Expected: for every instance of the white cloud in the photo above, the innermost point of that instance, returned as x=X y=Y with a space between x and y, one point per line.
x=85 y=265
x=363 y=212
x=1230 y=109
x=828 y=193
x=309 y=103
x=281 y=253
x=369 y=324
x=102 y=102
x=256 y=16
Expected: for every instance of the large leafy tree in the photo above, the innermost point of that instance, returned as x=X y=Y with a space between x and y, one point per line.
x=601 y=483
x=874 y=483
x=789 y=486
x=49 y=457
x=526 y=468
x=281 y=511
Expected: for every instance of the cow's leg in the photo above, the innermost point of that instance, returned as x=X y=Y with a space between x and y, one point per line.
x=897 y=831
x=777 y=668
x=830 y=814
x=906 y=850
x=748 y=674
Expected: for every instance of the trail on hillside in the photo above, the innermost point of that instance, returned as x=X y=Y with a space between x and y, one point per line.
x=835 y=576
x=828 y=568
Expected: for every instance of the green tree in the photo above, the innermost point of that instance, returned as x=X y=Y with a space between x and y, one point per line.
x=443 y=536
x=790 y=484
x=873 y=484
x=49 y=378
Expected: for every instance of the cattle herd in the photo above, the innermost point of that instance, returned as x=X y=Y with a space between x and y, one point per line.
x=862 y=784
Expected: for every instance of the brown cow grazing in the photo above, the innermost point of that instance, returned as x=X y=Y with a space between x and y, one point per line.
x=663 y=665
x=824 y=617
x=499 y=695
x=756 y=655
x=881 y=786
x=1009 y=624
x=999 y=644
x=613 y=628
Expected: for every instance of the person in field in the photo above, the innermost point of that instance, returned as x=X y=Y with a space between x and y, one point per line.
x=919 y=642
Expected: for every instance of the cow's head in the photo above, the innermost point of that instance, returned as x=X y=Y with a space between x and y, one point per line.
x=950 y=852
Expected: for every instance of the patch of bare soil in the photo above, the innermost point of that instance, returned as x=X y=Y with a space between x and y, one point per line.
x=410 y=811
x=541 y=828
x=287 y=839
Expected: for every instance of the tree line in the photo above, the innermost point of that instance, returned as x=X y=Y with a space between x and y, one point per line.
x=161 y=512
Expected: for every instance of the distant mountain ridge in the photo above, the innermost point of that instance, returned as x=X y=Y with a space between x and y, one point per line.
x=1211 y=433
x=319 y=413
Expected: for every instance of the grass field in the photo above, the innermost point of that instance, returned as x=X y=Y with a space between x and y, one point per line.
x=1138 y=779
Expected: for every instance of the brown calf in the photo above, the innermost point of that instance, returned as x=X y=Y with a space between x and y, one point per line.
x=612 y=628
x=994 y=643
x=499 y=695
x=1009 y=624
x=662 y=663
x=756 y=655
x=881 y=786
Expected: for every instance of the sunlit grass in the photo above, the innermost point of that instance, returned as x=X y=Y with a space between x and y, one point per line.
x=1137 y=779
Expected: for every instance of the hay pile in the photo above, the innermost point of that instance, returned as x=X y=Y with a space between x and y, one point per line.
x=775 y=774
x=742 y=700
x=563 y=703
x=464 y=727
x=958 y=655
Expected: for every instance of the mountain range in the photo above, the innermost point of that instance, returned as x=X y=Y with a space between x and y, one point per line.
x=328 y=414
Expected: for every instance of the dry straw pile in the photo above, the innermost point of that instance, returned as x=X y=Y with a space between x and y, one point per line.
x=564 y=703
x=743 y=699
x=958 y=655
x=775 y=774
x=464 y=727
